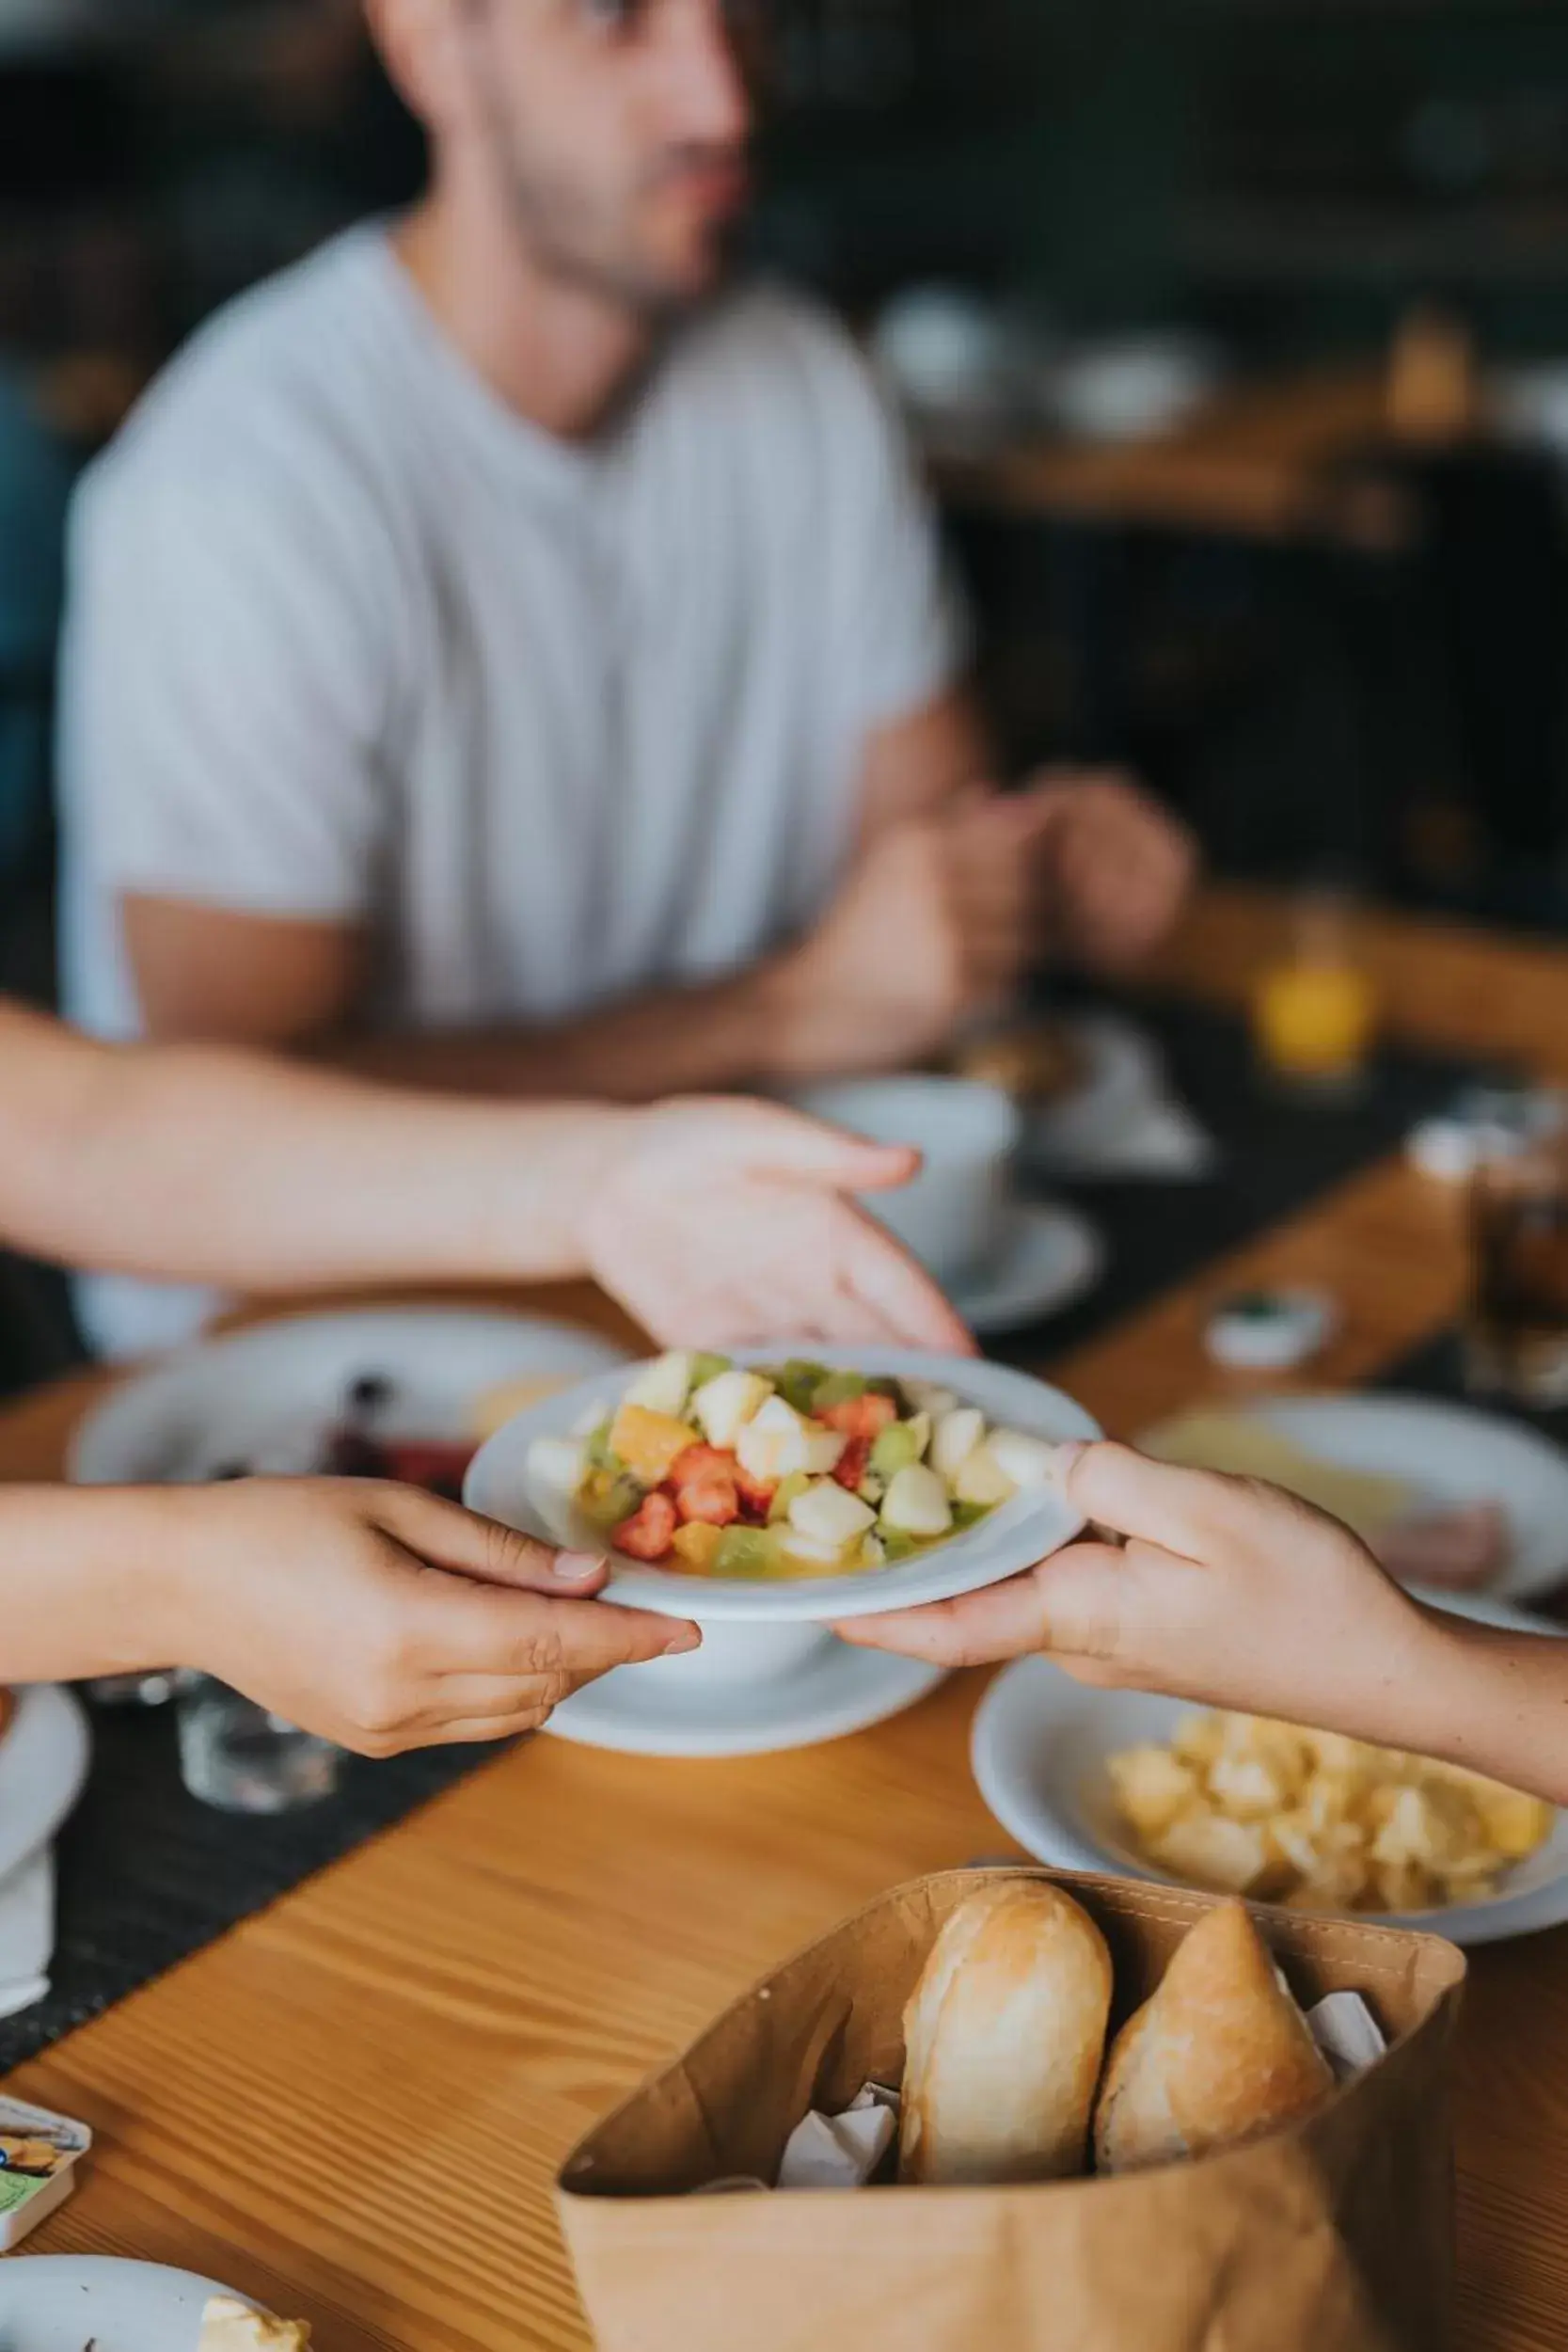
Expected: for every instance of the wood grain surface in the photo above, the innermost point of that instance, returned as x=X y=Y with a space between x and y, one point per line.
x=353 y=2108
x=1259 y=461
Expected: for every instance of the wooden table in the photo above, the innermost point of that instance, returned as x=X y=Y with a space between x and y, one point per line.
x=1262 y=461
x=353 y=2106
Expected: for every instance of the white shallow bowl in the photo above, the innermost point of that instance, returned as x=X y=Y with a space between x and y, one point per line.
x=1040 y=1749
x=267 y=1394
x=58 y=2303
x=1020 y=1533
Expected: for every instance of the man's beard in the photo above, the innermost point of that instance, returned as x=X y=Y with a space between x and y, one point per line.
x=587 y=243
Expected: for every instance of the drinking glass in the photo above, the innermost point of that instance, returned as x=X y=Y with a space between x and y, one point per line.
x=1517 y=1339
x=236 y=1756
x=1315 y=1010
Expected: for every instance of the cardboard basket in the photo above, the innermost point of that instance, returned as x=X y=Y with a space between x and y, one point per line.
x=1333 y=2235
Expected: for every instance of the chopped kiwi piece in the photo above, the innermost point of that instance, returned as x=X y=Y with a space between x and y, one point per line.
x=971 y=1514
x=788 y=1488
x=896 y=1545
x=608 y=1498
x=798 y=1382
x=839 y=1387
x=746 y=1552
x=895 y=1448
x=601 y=1454
x=707 y=1367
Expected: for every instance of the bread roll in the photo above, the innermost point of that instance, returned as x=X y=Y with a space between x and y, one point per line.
x=1005 y=2037
x=1220 y=2053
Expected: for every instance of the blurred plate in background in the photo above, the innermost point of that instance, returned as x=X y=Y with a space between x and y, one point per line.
x=261 y=1395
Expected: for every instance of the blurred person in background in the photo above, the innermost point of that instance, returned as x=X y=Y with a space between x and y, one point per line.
x=506 y=655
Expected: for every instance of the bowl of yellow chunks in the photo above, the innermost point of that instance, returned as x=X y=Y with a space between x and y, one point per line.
x=1317 y=1821
x=767 y=1487
x=1235 y=1803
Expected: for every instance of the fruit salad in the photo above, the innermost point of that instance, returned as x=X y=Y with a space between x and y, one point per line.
x=708 y=1469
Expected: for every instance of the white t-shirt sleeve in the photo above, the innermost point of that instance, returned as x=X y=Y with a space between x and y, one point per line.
x=900 y=622
x=225 y=692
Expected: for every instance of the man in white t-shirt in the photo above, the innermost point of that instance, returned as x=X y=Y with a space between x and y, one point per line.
x=503 y=657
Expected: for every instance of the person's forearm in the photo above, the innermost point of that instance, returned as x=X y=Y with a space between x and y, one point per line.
x=1496 y=1702
x=89 y=1583
x=203 y=1164
x=721 y=1034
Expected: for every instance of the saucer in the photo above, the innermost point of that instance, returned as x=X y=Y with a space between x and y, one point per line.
x=1120 y=1119
x=838 y=1691
x=1051 y=1257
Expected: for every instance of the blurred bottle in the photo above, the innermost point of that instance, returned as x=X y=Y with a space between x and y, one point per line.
x=1435 y=391
x=1517 y=1332
x=1315 y=1012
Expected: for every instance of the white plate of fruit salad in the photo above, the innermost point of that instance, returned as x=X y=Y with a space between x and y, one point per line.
x=772 y=1486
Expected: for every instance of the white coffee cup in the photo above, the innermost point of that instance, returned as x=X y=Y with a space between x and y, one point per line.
x=735 y=1656
x=956 y=1215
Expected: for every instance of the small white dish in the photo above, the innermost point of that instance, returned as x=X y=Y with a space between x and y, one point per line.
x=1051 y=1259
x=832 y=1692
x=265 y=1395
x=60 y=2302
x=500 y=1485
x=1133 y=388
x=1120 y=1119
x=1039 y=1752
x=43 y=1762
x=1449 y=1455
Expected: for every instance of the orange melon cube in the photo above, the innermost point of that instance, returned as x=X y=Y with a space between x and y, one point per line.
x=649 y=1445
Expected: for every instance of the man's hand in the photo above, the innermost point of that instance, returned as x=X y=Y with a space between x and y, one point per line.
x=1226 y=1592
x=934 y=928
x=1112 y=870
x=385 y=1619
x=727 y=1221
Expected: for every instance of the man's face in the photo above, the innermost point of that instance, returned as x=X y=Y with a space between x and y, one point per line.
x=617 y=132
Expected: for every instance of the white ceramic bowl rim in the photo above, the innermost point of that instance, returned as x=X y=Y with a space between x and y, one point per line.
x=1011 y=1539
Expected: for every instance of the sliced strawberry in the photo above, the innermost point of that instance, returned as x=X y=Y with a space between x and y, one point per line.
x=650 y=1532
x=701 y=1461
x=757 y=1494
x=864 y=1416
x=853 y=1464
x=710 y=1500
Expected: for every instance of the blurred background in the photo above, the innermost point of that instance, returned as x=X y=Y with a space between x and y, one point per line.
x=1235 y=334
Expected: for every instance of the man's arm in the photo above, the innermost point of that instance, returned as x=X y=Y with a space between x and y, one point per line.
x=211 y=974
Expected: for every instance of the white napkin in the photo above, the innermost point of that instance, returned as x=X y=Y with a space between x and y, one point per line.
x=26 y=1932
x=842 y=2150
x=1348 y=2034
